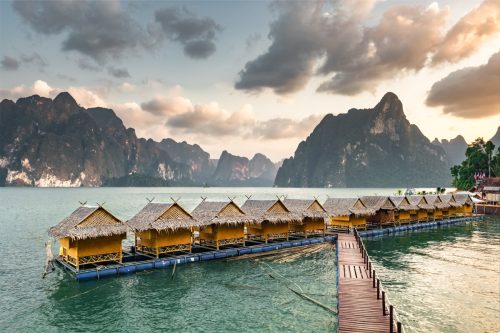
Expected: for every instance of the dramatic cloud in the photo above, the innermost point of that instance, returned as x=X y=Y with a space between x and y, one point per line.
x=84 y=96
x=283 y=128
x=470 y=92
x=166 y=106
x=289 y=62
x=211 y=119
x=320 y=38
x=99 y=29
x=470 y=32
x=39 y=87
x=9 y=63
x=196 y=34
x=183 y=116
x=119 y=73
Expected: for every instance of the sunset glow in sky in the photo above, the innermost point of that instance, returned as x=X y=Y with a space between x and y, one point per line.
x=258 y=76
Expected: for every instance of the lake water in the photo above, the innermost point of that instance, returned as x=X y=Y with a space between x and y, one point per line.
x=443 y=280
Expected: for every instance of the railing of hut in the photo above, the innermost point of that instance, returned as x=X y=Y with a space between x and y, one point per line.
x=388 y=309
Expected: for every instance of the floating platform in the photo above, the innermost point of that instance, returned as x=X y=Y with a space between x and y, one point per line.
x=419 y=226
x=138 y=262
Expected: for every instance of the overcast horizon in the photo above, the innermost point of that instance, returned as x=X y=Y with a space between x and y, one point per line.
x=257 y=77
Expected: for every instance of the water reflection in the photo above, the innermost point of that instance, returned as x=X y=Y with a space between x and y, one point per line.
x=443 y=280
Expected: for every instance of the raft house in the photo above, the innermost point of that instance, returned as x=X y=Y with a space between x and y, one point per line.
x=162 y=228
x=347 y=213
x=440 y=208
x=421 y=214
x=465 y=204
x=384 y=211
x=166 y=234
x=453 y=205
x=220 y=223
x=312 y=217
x=90 y=235
x=270 y=219
x=404 y=209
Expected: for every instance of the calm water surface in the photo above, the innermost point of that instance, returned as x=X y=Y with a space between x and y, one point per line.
x=441 y=280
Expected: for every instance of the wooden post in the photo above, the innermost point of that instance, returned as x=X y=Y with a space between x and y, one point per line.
x=391 y=319
x=370 y=268
x=383 y=303
x=378 y=288
x=373 y=278
x=399 y=327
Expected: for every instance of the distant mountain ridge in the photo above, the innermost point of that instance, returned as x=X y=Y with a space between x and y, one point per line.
x=45 y=142
x=366 y=148
x=454 y=149
x=235 y=170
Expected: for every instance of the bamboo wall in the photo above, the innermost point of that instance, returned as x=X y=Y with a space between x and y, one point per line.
x=382 y=217
x=308 y=225
x=402 y=216
x=267 y=228
x=154 y=238
x=346 y=221
x=222 y=232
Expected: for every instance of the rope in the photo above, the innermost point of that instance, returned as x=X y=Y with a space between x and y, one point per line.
x=301 y=293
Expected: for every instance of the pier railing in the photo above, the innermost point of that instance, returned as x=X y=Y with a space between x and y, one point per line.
x=388 y=309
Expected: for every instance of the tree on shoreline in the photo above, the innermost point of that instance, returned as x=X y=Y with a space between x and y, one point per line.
x=480 y=158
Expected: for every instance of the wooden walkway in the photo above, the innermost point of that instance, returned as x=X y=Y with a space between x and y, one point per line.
x=359 y=308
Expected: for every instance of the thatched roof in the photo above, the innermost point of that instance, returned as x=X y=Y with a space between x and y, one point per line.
x=88 y=222
x=463 y=199
x=378 y=202
x=306 y=208
x=220 y=212
x=434 y=200
x=402 y=203
x=162 y=216
x=448 y=199
x=274 y=211
x=420 y=202
x=346 y=207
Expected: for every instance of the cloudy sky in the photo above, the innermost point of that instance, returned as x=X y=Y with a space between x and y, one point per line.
x=258 y=76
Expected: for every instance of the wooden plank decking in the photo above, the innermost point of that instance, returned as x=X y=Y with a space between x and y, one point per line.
x=359 y=308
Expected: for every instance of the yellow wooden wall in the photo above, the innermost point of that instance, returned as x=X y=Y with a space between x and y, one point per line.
x=222 y=232
x=308 y=224
x=350 y=221
x=422 y=214
x=100 y=245
x=154 y=238
x=91 y=246
x=402 y=216
x=267 y=228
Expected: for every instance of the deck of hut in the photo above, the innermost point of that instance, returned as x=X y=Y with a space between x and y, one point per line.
x=360 y=310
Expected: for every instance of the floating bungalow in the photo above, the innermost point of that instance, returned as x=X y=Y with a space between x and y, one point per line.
x=271 y=219
x=162 y=228
x=312 y=215
x=221 y=223
x=384 y=210
x=90 y=235
x=423 y=210
x=465 y=204
x=440 y=208
x=453 y=205
x=347 y=213
x=404 y=209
